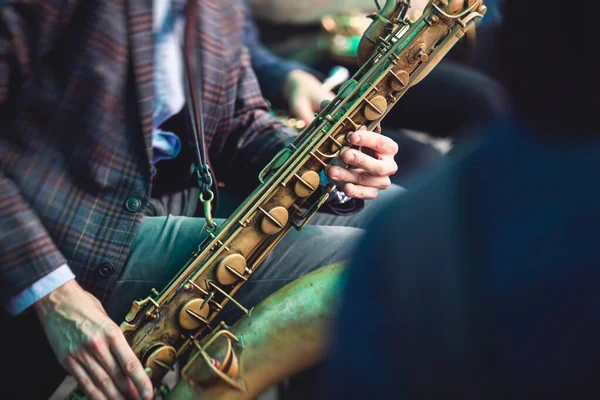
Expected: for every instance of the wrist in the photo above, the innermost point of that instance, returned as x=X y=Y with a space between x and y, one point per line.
x=56 y=297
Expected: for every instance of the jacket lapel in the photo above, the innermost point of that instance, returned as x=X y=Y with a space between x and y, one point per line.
x=139 y=27
x=211 y=75
x=210 y=53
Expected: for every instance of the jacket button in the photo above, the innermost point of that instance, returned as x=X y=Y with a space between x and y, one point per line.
x=107 y=269
x=133 y=204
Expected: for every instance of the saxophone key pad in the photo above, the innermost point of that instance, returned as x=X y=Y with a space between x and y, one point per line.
x=306 y=183
x=375 y=107
x=193 y=314
x=399 y=79
x=231 y=269
x=159 y=359
x=339 y=141
x=274 y=220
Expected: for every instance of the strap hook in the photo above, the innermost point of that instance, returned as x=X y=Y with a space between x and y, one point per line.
x=211 y=226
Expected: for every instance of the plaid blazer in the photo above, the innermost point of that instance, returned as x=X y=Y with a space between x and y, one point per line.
x=76 y=102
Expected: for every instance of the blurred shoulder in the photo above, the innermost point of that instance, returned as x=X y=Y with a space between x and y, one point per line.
x=436 y=192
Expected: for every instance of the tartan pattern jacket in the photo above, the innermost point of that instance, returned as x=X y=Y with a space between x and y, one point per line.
x=76 y=102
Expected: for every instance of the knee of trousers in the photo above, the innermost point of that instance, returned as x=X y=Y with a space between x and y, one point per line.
x=312 y=248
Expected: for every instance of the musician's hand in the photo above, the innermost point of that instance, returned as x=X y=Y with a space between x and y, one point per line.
x=304 y=94
x=90 y=346
x=367 y=173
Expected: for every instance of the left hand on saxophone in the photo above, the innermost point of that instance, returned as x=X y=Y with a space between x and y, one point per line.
x=367 y=174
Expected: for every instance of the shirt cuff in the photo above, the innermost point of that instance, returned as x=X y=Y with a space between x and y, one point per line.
x=39 y=289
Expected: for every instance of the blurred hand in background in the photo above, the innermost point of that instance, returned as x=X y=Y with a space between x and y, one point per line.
x=304 y=94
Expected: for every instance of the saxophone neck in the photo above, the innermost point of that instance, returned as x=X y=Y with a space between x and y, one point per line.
x=394 y=13
x=383 y=22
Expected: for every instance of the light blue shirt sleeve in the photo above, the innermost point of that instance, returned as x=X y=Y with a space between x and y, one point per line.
x=40 y=288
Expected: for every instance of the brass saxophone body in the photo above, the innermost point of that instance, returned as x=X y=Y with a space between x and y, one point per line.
x=182 y=319
x=284 y=335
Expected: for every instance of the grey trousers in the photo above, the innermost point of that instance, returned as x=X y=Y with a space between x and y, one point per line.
x=164 y=244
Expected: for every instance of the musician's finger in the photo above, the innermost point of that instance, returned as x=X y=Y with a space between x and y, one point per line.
x=359 y=177
x=360 y=192
x=375 y=141
x=106 y=359
x=131 y=366
x=100 y=377
x=383 y=167
x=84 y=381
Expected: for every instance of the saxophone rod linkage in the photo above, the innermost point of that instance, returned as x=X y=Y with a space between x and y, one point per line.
x=224 y=293
x=328 y=109
x=298 y=158
x=461 y=14
x=208 y=360
x=308 y=135
x=301 y=157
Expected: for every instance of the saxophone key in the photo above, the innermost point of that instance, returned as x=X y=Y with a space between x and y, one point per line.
x=306 y=183
x=399 y=80
x=158 y=360
x=338 y=141
x=231 y=269
x=316 y=158
x=353 y=124
x=137 y=305
x=418 y=53
x=193 y=314
x=375 y=108
x=274 y=220
x=347 y=88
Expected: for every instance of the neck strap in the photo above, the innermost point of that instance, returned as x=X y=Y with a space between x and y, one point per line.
x=194 y=104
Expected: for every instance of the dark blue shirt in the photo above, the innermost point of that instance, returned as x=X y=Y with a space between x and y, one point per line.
x=483 y=282
x=270 y=69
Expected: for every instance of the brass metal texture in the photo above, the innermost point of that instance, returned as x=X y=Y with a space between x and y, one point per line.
x=337 y=143
x=159 y=358
x=398 y=79
x=285 y=334
x=274 y=220
x=231 y=269
x=418 y=53
x=258 y=225
x=193 y=314
x=375 y=107
x=306 y=183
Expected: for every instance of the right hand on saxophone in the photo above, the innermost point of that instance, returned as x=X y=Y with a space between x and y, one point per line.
x=368 y=173
x=90 y=346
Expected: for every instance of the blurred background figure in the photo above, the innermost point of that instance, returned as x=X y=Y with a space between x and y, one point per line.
x=294 y=45
x=482 y=282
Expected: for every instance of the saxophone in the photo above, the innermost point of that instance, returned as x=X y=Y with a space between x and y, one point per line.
x=180 y=321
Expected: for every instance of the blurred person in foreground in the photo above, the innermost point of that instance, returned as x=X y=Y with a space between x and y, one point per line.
x=483 y=282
